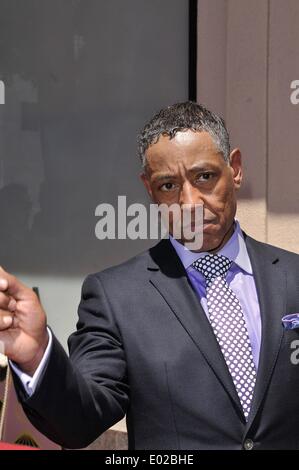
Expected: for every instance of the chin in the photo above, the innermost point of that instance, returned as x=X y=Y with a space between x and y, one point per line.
x=207 y=245
x=211 y=241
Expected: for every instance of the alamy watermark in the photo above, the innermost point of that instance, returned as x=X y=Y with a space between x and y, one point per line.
x=137 y=221
x=2 y=92
x=295 y=353
x=294 y=97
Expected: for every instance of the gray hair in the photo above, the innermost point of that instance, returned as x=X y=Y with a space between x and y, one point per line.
x=181 y=117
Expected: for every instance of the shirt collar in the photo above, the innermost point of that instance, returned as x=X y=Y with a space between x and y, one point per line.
x=234 y=249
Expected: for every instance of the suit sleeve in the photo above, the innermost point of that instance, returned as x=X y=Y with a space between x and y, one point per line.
x=80 y=397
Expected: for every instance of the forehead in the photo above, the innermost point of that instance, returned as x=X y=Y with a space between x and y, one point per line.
x=186 y=147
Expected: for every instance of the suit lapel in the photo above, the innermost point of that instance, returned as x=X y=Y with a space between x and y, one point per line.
x=170 y=279
x=270 y=283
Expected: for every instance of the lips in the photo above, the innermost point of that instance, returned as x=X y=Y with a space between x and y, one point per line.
x=205 y=222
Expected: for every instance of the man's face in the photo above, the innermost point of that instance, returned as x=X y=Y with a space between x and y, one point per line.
x=189 y=169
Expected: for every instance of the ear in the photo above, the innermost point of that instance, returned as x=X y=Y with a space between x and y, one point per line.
x=235 y=161
x=144 y=178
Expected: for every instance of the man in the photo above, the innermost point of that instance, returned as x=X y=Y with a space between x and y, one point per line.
x=189 y=345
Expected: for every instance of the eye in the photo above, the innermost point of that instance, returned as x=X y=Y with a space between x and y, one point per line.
x=205 y=176
x=167 y=187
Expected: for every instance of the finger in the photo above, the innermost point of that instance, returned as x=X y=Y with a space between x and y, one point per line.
x=6 y=320
x=4 y=300
x=11 y=285
x=12 y=306
x=7 y=302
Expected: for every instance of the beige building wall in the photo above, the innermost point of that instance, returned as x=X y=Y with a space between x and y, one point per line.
x=247 y=58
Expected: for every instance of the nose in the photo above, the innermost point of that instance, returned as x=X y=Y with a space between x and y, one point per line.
x=190 y=195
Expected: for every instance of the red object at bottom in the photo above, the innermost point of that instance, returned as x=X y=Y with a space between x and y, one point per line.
x=6 y=446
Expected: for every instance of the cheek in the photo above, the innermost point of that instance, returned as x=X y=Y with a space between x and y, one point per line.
x=157 y=197
x=222 y=201
x=229 y=205
x=153 y=194
x=164 y=197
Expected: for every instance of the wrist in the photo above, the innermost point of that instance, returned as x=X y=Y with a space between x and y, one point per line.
x=30 y=367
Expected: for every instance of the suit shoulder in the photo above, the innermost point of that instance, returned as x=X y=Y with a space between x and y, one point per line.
x=129 y=269
x=275 y=251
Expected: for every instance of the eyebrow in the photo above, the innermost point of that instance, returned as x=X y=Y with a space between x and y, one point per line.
x=197 y=168
x=164 y=177
x=204 y=167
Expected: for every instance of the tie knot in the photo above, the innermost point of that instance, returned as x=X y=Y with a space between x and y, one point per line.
x=212 y=266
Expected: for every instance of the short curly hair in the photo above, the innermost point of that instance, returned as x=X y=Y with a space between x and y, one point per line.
x=181 y=117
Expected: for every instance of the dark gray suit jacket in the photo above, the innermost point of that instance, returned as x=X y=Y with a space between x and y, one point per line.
x=145 y=348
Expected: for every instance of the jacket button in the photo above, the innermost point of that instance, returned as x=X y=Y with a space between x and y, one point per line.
x=248 y=444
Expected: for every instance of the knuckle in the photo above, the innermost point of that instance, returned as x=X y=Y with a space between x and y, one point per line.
x=6 y=320
x=4 y=299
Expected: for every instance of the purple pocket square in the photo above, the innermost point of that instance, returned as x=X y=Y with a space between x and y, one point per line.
x=290 y=322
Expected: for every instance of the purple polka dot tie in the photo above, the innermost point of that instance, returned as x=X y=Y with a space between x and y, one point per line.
x=228 y=323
